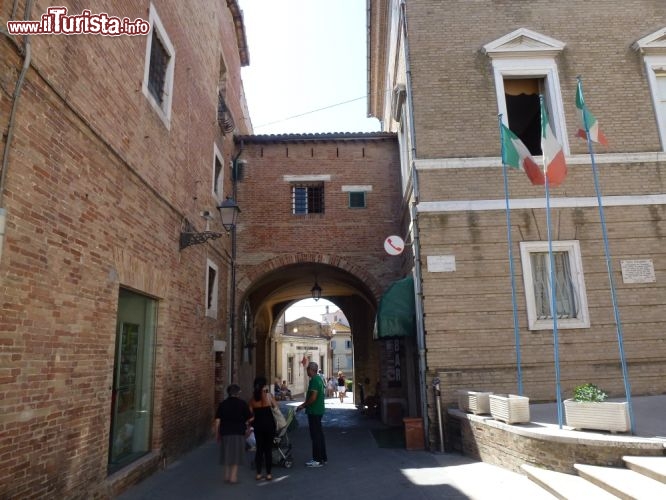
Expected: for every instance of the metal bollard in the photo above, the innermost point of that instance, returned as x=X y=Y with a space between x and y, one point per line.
x=437 y=394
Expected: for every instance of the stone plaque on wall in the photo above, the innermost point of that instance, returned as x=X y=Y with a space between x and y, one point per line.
x=638 y=271
x=441 y=263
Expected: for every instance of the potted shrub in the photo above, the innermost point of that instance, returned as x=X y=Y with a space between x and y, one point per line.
x=589 y=410
x=510 y=408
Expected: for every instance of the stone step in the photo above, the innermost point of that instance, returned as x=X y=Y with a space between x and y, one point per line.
x=624 y=483
x=654 y=467
x=566 y=486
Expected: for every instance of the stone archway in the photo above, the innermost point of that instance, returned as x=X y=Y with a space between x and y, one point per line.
x=268 y=289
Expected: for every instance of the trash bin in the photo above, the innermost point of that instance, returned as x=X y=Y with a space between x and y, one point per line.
x=413 y=433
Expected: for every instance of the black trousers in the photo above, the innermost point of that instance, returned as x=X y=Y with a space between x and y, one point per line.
x=264 y=450
x=317 y=437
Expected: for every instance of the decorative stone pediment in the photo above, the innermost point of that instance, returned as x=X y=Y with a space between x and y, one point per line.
x=524 y=43
x=654 y=43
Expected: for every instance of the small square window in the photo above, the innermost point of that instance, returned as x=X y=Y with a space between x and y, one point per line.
x=307 y=199
x=357 y=199
x=571 y=300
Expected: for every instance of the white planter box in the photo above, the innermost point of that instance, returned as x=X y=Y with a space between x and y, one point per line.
x=510 y=408
x=605 y=416
x=474 y=402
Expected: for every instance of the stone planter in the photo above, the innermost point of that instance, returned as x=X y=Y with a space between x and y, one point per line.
x=605 y=416
x=510 y=408
x=474 y=402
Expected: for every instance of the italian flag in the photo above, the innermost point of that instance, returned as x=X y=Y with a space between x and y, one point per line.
x=553 y=156
x=596 y=135
x=516 y=155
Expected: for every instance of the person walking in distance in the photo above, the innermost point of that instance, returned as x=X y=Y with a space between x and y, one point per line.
x=341 y=386
x=261 y=404
x=231 y=421
x=314 y=407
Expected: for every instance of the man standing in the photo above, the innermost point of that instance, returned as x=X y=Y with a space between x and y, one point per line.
x=314 y=405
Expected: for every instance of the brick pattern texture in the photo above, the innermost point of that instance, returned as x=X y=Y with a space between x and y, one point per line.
x=96 y=192
x=468 y=313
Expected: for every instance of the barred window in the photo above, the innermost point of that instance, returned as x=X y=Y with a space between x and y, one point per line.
x=159 y=59
x=307 y=199
x=158 y=71
x=570 y=295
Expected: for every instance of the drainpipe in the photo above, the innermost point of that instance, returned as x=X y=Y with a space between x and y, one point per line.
x=418 y=290
x=10 y=126
x=232 y=294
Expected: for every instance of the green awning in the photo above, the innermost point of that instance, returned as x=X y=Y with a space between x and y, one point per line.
x=396 y=314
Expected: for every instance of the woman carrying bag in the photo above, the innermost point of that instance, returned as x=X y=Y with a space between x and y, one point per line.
x=261 y=405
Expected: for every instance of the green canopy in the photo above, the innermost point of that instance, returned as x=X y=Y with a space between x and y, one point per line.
x=396 y=315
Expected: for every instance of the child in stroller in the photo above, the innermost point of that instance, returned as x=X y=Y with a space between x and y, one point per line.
x=281 y=444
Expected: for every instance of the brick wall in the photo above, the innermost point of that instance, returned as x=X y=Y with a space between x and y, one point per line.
x=510 y=447
x=469 y=312
x=345 y=245
x=96 y=191
x=455 y=106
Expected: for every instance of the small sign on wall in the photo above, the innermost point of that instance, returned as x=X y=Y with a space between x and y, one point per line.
x=441 y=263
x=638 y=271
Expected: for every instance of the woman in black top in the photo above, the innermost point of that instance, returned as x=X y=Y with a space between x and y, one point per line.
x=231 y=421
x=264 y=426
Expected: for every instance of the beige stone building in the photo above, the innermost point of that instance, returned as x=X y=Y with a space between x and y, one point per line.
x=440 y=73
x=294 y=346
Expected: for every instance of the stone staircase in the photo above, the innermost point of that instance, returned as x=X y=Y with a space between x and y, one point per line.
x=643 y=478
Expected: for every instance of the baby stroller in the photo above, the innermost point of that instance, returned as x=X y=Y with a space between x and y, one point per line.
x=281 y=444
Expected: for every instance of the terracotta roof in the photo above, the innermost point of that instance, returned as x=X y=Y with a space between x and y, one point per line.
x=328 y=136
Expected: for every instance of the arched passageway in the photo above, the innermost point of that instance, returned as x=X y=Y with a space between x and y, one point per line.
x=265 y=301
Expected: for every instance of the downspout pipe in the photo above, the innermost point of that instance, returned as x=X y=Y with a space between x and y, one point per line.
x=418 y=289
x=27 y=56
x=232 y=291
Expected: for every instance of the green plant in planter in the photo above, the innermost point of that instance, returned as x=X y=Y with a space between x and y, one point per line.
x=589 y=393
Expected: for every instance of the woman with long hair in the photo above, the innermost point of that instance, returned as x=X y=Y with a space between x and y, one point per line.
x=261 y=405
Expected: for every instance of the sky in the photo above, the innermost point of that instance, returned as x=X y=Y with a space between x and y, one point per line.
x=308 y=68
x=310 y=309
x=307 y=74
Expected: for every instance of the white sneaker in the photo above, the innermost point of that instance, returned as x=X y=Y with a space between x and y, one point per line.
x=313 y=463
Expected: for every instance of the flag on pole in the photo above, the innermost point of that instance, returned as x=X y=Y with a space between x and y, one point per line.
x=516 y=155
x=596 y=135
x=553 y=156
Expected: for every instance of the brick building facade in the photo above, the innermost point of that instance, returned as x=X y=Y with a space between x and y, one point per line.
x=317 y=208
x=113 y=147
x=440 y=73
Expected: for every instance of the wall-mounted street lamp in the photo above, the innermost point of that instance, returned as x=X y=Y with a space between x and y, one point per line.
x=229 y=211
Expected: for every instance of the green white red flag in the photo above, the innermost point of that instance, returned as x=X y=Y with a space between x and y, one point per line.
x=596 y=135
x=553 y=155
x=516 y=155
